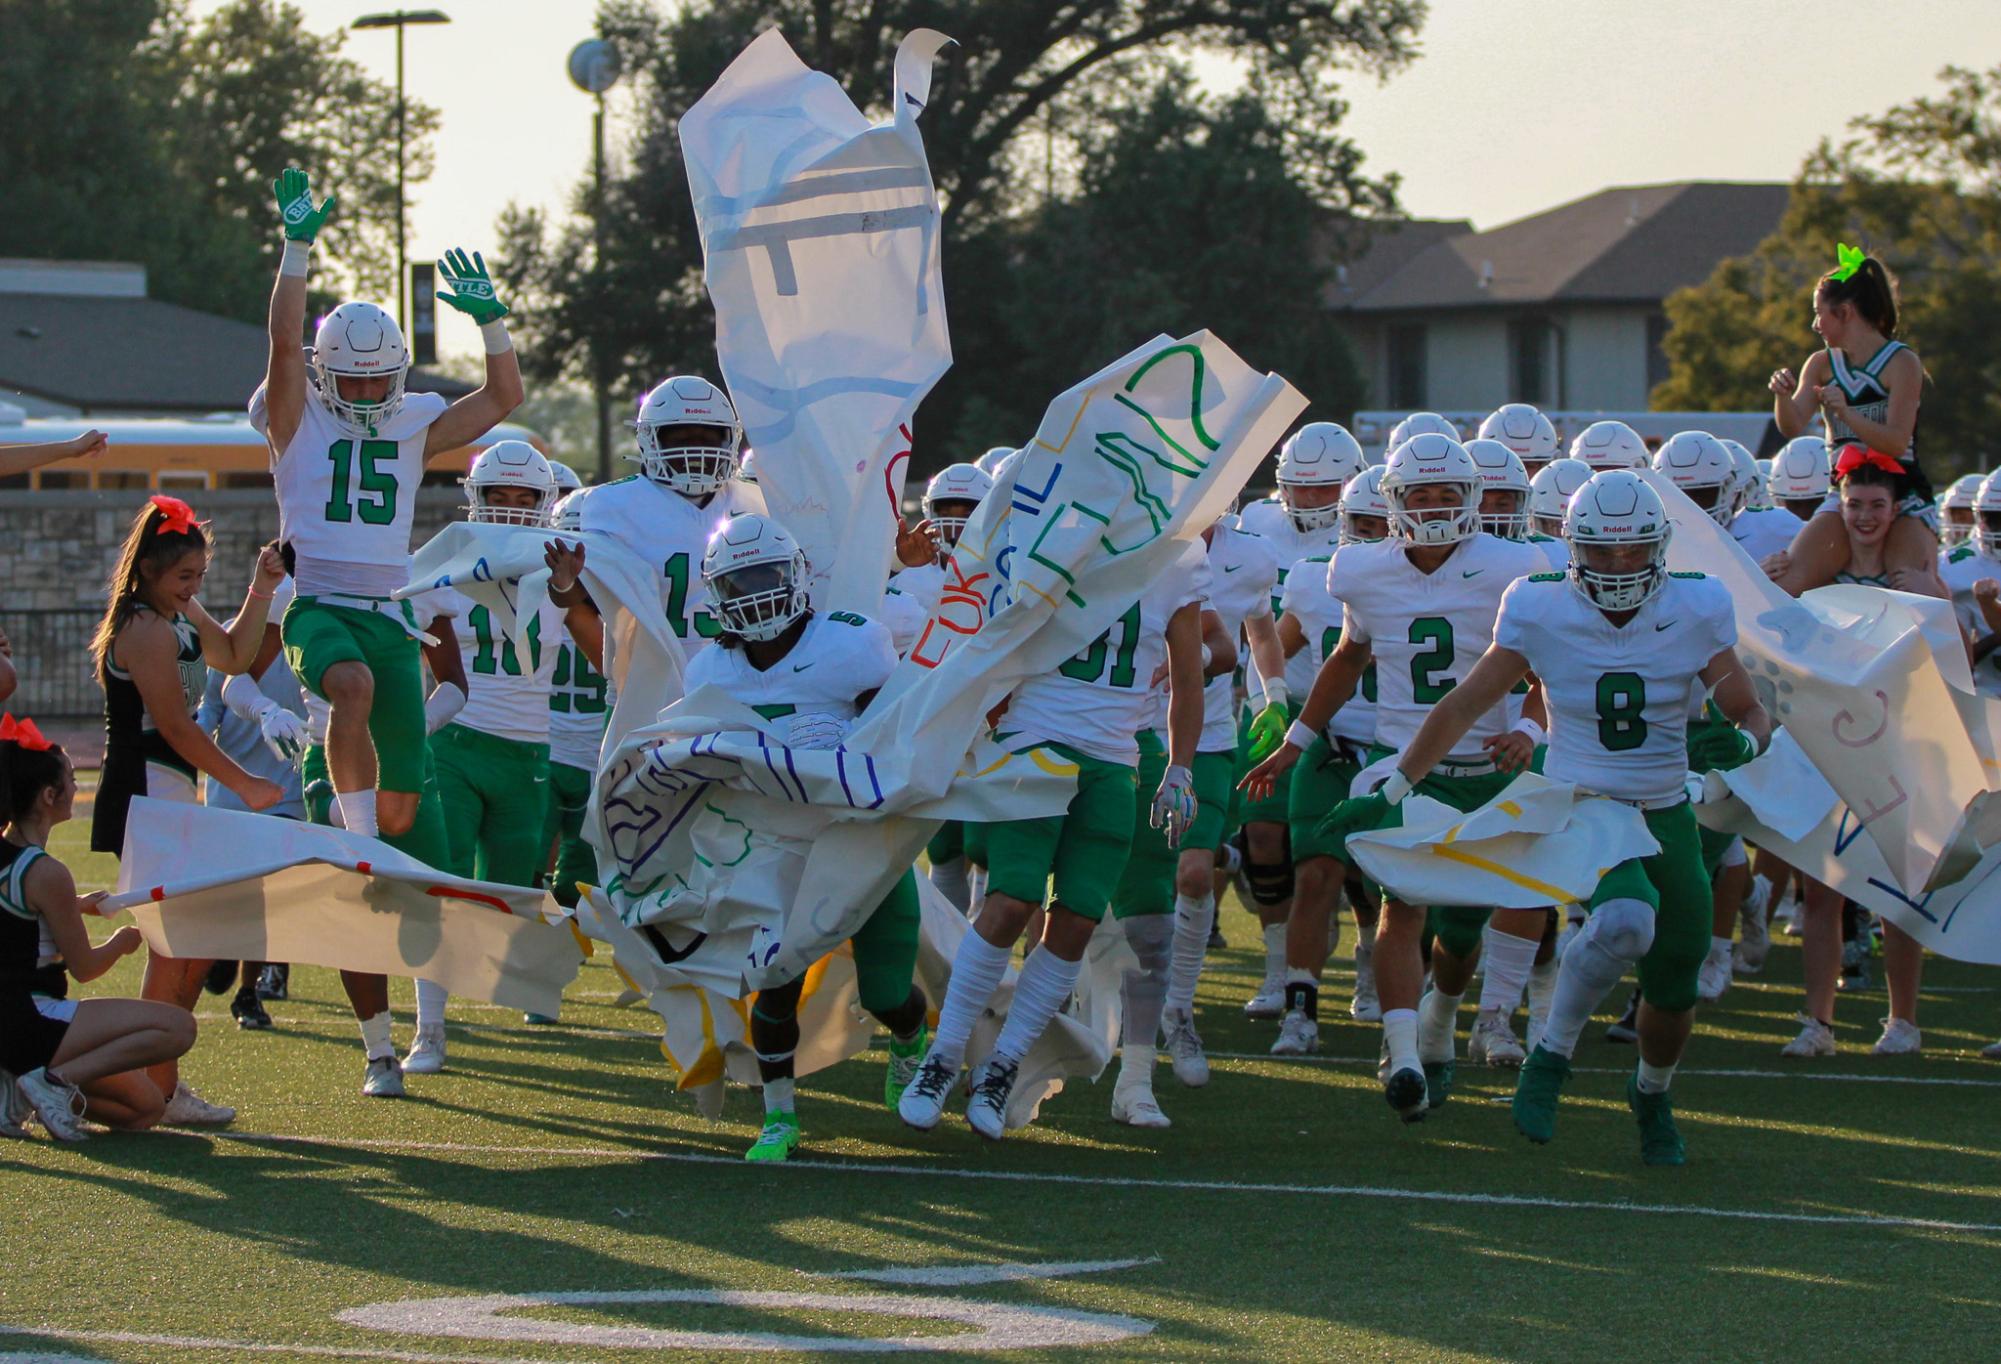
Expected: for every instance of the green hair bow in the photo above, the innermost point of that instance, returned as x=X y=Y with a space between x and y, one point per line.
x=1849 y=259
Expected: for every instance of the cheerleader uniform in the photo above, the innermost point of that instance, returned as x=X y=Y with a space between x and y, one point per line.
x=35 y=1010
x=1869 y=399
x=138 y=760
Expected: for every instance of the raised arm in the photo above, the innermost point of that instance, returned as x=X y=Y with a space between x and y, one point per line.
x=285 y=369
x=1794 y=397
x=19 y=459
x=236 y=648
x=472 y=416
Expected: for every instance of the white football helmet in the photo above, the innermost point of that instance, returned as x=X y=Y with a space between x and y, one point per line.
x=954 y=483
x=746 y=468
x=1745 y=466
x=756 y=576
x=1616 y=507
x=1363 y=497
x=1800 y=471
x=691 y=466
x=1418 y=424
x=1986 y=536
x=1523 y=429
x=568 y=513
x=1317 y=455
x=362 y=341
x=510 y=464
x=1501 y=470
x=1550 y=492
x=567 y=481
x=1610 y=445
x=1761 y=490
x=990 y=462
x=1958 y=498
x=1697 y=463
x=1429 y=459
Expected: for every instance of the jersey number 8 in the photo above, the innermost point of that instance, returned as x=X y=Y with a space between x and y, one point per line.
x=1621 y=698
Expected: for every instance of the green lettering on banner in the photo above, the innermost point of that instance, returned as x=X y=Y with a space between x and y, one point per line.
x=1197 y=372
x=1049 y=521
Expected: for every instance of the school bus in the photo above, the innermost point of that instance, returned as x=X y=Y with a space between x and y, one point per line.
x=191 y=454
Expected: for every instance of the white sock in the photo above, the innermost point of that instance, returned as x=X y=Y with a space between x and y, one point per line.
x=1192 y=917
x=976 y=890
x=1542 y=988
x=1400 y=1033
x=1718 y=947
x=778 y=1096
x=1505 y=963
x=1437 y=1026
x=976 y=973
x=1043 y=987
x=950 y=878
x=1143 y=995
x=1274 y=953
x=1654 y=1079
x=357 y=811
x=431 y=998
x=375 y=1039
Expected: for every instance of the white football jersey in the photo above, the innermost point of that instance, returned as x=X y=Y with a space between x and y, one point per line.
x=580 y=702
x=1099 y=701
x=347 y=503
x=507 y=679
x=1961 y=567
x=1554 y=550
x=1289 y=548
x=1427 y=630
x=1308 y=601
x=1243 y=576
x=1620 y=696
x=839 y=656
x=1767 y=532
x=667 y=529
x=910 y=600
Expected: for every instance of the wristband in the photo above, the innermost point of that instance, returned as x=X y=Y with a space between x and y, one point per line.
x=1275 y=692
x=261 y=596
x=494 y=333
x=1299 y=736
x=1396 y=788
x=1534 y=731
x=294 y=258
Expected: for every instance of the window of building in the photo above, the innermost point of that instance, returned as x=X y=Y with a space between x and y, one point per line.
x=1531 y=362
x=1408 y=382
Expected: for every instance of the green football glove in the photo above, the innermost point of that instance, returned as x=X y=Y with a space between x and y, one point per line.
x=1720 y=750
x=1268 y=731
x=475 y=297
x=295 y=205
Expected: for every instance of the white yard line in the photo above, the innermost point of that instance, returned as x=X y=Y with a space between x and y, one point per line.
x=1682 y=1072
x=849 y=1167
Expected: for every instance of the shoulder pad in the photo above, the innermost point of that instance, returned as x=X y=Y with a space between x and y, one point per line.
x=1688 y=575
x=1556 y=577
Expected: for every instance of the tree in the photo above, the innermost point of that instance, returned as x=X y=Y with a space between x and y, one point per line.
x=1920 y=186
x=1023 y=69
x=166 y=154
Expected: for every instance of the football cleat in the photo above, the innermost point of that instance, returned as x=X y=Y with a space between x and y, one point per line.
x=1854 y=966
x=1537 y=1090
x=778 y=1140
x=1135 y=1106
x=1298 y=1035
x=922 y=1103
x=904 y=1060
x=1494 y=1043
x=427 y=1051
x=383 y=1079
x=1268 y=1002
x=993 y=1086
x=1627 y=1028
x=1660 y=1139
x=1438 y=1077
x=249 y=1012
x=1815 y=1039
x=1184 y=1048
x=1992 y=1051
x=538 y=1020
x=1754 y=942
x=1900 y=1038
x=275 y=982
x=1365 y=1007
x=1405 y=1091
x=189 y=1109
x=58 y=1103
x=1714 y=977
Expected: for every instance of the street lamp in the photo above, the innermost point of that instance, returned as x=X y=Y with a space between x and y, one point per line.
x=399 y=20
x=594 y=69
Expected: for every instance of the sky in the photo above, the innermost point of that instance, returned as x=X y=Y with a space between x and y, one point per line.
x=1512 y=106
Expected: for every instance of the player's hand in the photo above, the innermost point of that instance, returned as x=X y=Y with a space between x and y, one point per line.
x=474 y=297
x=1720 y=750
x=295 y=206
x=1784 y=382
x=1268 y=731
x=1832 y=400
x=1258 y=782
x=565 y=563
x=285 y=735
x=914 y=545
x=1916 y=580
x=1357 y=814
x=270 y=570
x=815 y=730
x=124 y=942
x=1986 y=591
x=1174 y=804
x=86 y=446
x=1777 y=564
x=260 y=795
x=1511 y=752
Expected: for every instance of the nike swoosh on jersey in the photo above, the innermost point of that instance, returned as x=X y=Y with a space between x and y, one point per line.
x=1232 y=568
x=1664 y=625
x=800 y=667
x=1472 y=572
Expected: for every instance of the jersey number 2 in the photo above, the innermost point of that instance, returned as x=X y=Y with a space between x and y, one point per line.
x=376 y=485
x=1434 y=633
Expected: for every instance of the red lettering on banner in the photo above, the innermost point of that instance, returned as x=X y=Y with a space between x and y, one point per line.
x=1882 y=724
x=1878 y=811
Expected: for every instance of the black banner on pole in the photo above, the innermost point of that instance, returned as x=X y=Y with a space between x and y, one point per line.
x=423 y=313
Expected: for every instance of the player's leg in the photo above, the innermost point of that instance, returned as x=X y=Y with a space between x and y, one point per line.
x=946 y=852
x=1507 y=957
x=977 y=872
x=396 y=726
x=1670 y=978
x=464 y=781
x=774 y=1037
x=324 y=651
x=1457 y=935
x=1730 y=877
x=1903 y=971
x=1143 y=903
x=1194 y=912
x=576 y=860
x=1319 y=781
x=885 y=949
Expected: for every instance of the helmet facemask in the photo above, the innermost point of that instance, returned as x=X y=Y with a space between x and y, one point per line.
x=1986 y=534
x=363 y=416
x=948 y=517
x=1438 y=525
x=761 y=601
x=481 y=512
x=1509 y=525
x=1619 y=588
x=694 y=459
x=1307 y=520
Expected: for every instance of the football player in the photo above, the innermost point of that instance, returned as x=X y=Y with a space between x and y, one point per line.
x=1610 y=445
x=1549 y=497
x=1955 y=522
x=1526 y=431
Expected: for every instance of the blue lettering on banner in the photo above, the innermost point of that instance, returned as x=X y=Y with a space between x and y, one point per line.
x=1843 y=836
x=1917 y=906
x=1036 y=499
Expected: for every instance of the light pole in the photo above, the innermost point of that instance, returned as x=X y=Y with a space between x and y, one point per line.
x=594 y=69
x=399 y=20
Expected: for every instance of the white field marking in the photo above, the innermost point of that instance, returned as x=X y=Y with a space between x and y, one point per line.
x=1682 y=1071
x=996 y=1326
x=1126 y=1182
x=243 y=1346
x=36 y=1357
x=962 y=1276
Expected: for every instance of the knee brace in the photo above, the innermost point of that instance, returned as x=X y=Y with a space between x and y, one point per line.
x=1271 y=882
x=1620 y=928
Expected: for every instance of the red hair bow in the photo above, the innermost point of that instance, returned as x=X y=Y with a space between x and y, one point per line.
x=24 y=733
x=1853 y=457
x=176 y=516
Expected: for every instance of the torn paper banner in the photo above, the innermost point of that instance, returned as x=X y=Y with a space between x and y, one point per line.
x=226 y=885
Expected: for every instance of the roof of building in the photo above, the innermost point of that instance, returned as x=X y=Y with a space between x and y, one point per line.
x=1629 y=244
x=119 y=351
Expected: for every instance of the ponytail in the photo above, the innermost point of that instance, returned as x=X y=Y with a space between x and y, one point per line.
x=1872 y=291
x=162 y=534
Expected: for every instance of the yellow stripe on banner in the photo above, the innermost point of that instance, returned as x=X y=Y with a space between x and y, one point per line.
x=1561 y=896
x=1053 y=768
x=995 y=767
x=1511 y=808
x=709 y=1065
x=817 y=972
x=1058 y=448
x=582 y=942
x=625 y=976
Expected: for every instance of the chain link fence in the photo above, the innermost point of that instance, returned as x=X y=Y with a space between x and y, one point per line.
x=52 y=668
